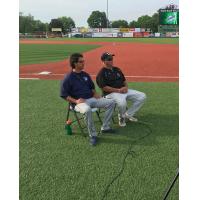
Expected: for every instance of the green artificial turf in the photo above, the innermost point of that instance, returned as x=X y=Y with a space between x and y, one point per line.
x=140 y=40
x=57 y=166
x=44 y=53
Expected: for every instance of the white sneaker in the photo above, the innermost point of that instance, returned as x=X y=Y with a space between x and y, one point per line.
x=122 y=121
x=132 y=119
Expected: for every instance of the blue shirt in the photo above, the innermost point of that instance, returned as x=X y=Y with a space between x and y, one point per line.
x=77 y=85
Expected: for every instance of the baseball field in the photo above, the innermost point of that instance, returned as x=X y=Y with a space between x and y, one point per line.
x=138 y=162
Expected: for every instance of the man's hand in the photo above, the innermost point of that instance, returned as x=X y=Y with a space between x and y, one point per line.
x=123 y=90
x=97 y=96
x=80 y=101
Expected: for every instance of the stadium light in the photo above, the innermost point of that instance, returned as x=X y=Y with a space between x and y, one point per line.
x=107 y=15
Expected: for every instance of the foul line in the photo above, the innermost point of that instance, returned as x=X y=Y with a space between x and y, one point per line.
x=149 y=76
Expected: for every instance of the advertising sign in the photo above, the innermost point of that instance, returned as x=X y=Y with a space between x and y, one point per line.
x=124 y=29
x=56 y=29
x=168 y=17
x=128 y=34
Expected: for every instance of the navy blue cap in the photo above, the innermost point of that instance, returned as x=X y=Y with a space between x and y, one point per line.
x=105 y=56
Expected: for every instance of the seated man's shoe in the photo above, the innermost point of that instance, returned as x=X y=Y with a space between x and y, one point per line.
x=93 y=140
x=110 y=130
x=132 y=119
x=122 y=121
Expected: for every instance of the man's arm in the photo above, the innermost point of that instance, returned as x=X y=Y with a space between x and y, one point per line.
x=125 y=84
x=75 y=101
x=125 y=88
x=111 y=89
x=95 y=94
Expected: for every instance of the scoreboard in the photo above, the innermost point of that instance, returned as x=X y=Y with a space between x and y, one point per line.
x=169 y=17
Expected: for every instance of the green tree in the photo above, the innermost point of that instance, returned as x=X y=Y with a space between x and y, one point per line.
x=120 y=24
x=55 y=23
x=146 y=22
x=46 y=27
x=68 y=23
x=97 y=20
x=154 y=22
x=21 y=19
x=26 y=23
x=133 y=24
x=39 y=26
x=143 y=21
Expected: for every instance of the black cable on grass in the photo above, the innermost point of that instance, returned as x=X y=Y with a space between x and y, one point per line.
x=129 y=152
x=171 y=185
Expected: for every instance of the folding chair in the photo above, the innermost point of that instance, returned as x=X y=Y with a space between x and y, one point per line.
x=78 y=119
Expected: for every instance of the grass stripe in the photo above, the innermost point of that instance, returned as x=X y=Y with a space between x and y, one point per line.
x=43 y=53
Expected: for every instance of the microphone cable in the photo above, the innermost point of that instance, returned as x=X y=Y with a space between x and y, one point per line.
x=128 y=152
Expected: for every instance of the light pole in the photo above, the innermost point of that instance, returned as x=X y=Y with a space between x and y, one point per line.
x=107 y=15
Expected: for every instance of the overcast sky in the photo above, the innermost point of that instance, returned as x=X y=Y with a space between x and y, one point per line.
x=80 y=10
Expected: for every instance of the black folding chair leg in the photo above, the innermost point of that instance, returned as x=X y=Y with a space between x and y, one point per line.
x=113 y=120
x=79 y=124
x=68 y=113
x=99 y=117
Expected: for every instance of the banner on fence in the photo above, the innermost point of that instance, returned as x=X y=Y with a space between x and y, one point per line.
x=132 y=30
x=102 y=34
x=128 y=34
x=124 y=29
x=137 y=34
x=83 y=30
x=56 y=29
x=146 y=34
x=137 y=30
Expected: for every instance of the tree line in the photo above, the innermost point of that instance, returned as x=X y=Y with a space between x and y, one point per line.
x=97 y=19
x=27 y=24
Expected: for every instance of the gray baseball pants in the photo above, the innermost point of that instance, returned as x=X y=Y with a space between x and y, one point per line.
x=120 y=99
x=86 y=109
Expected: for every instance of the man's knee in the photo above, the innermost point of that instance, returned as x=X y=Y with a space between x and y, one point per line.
x=84 y=108
x=140 y=97
x=143 y=97
x=88 y=109
x=122 y=104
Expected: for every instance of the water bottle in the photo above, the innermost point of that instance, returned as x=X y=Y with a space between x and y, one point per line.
x=68 y=127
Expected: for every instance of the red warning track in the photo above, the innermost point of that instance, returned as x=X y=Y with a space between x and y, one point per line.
x=139 y=61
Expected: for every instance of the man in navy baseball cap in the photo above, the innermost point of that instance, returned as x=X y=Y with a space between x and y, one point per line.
x=114 y=86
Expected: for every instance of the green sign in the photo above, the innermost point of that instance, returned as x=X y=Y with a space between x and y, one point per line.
x=169 y=17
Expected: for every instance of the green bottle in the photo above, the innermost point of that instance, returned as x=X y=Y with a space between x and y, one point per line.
x=68 y=127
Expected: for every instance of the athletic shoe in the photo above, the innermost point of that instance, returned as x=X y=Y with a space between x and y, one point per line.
x=93 y=140
x=110 y=130
x=122 y=121
x=132 y=119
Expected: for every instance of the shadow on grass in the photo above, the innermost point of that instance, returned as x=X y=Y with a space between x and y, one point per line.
x=144 y=134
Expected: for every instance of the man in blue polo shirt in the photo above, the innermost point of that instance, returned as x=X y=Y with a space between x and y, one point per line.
x=79 y=89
